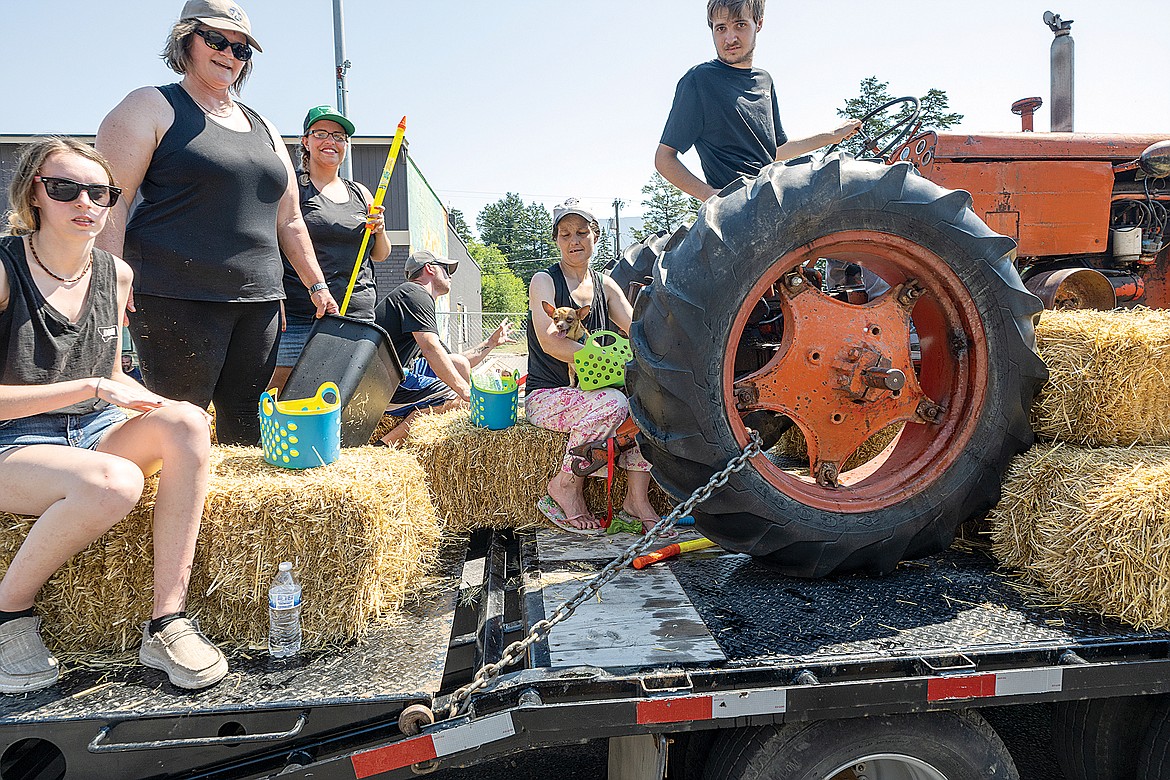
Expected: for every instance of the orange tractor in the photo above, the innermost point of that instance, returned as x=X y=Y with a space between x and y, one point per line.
x=958 y=239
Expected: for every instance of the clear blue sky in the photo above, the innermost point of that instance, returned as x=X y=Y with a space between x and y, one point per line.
x=551 y=99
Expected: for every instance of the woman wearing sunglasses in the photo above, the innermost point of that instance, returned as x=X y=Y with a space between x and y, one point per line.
x=68 y=453
x=219 y=204
x=337 y=214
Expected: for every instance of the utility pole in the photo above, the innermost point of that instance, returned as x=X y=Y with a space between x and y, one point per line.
x=342 y=67
x=617 y=230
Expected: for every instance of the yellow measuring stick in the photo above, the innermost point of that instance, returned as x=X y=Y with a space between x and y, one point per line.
x=379 y=196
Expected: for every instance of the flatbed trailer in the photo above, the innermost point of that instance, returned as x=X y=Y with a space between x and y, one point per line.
x=660 y=662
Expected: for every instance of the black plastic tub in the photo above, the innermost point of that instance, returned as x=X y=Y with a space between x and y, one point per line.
x=359 y=357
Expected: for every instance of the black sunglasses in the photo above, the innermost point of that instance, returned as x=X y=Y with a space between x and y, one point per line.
x=219 y=42
x=66 y=190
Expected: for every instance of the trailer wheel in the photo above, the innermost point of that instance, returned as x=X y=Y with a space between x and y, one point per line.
x=931 y=746
x=732 y=330
x=1154 y=758
x=1099 y=739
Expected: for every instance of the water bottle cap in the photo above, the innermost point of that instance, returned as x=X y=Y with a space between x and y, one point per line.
x=285 y=566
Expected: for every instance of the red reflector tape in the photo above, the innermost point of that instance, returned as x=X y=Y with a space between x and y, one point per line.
x=396 y=756
x=960 y=686
x=674 y=710
x=446 y=742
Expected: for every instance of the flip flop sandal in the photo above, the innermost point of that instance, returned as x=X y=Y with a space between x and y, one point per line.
x=552 y=510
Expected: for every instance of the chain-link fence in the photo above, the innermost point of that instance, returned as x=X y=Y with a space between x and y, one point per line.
x=465 y=329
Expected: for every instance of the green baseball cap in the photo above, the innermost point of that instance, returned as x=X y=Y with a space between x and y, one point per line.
x=317 y=113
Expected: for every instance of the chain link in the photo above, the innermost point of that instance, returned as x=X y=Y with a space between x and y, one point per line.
x=462 y=698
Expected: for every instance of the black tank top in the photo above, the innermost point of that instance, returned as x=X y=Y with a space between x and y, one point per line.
x=39 y=345
x=206 y=227
x=545 y=371
x=336 y=231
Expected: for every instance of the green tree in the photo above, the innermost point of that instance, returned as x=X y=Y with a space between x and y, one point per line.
x=502 y=289
x=459 y=224
x=604 y=251
x=667 y=207
x=537 y=247
x=522 y=232
x=499 y=223
x=934 y=106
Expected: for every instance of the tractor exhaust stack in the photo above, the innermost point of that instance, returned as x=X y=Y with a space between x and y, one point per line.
x=1061 y=54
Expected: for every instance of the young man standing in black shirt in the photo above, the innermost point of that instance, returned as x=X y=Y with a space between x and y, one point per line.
x=727 y=110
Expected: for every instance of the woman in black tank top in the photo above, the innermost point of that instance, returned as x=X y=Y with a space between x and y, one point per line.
x=586 y=415
x=337 y=212
x=219 y=200
x=68 y=454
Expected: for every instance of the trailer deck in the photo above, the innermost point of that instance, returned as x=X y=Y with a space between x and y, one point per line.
x=707 y=641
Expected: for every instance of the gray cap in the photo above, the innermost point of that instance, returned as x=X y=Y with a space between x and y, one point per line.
x=222 y=15
x=571 y=206
x=422 y=257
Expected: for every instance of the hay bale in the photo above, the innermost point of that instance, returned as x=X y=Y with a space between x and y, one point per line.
x=1110 y=376
x=793 y=445
x=1092 y=527
x=363 y=533
x=492 y=479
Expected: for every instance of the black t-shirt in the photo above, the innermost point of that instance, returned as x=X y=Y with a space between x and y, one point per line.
x=336 y=230
x=544 y=370
x=730 y=116
x=407 y=310
x=205 y=229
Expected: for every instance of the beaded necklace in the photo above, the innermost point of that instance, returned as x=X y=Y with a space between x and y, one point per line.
x=46 y=269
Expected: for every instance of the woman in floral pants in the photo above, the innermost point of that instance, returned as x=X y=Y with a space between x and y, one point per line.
x=586 y=415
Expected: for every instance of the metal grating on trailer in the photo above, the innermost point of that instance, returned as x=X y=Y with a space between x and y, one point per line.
x=401 y=660
x=951 y=602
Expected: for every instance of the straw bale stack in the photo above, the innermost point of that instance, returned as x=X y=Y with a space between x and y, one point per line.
x=793 y=445
x=492 y=479
x=1092 y=527
x=363 y=533
x=1110 y=377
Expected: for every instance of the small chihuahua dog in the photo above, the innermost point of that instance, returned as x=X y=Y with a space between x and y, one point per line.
x=570 y=324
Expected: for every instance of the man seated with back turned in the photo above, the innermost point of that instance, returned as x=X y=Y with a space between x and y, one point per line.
x=435 y=379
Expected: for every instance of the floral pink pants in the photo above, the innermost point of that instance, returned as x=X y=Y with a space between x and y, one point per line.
x=586 y=415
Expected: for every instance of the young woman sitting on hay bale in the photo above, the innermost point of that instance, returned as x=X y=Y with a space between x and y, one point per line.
x=68 y=452
x=551 y=401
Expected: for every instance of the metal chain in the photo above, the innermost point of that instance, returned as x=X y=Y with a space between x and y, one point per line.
x=462 y=697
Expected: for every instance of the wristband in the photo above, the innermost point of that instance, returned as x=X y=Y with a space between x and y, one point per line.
x=318 y=287
x=97 y=389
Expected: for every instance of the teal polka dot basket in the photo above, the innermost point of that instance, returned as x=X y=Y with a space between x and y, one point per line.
x=303 y=433
x=495 y=409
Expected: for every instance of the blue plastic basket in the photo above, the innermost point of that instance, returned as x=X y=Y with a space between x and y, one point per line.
x=495 y=409
x=303 y=433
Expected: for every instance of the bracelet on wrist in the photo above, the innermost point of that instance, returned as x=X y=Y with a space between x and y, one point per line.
x=97 y=388
x=318 y=287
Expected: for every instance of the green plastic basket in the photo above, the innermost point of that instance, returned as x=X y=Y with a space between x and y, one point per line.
x=601 y=362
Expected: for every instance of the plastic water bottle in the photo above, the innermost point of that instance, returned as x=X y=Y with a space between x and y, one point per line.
x=284 y=613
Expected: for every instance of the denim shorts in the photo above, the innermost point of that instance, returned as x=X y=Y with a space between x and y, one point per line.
x=72 y=430
x=292 y=341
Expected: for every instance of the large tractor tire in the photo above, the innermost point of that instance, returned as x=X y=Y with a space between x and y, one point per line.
x=734 y=335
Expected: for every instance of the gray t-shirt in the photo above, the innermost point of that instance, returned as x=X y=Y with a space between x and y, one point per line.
x=40 y=346
x=730 y=116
